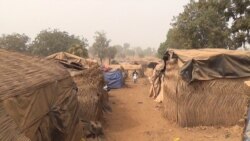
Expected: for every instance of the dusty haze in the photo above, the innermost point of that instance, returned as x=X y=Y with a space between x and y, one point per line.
x=139 y=22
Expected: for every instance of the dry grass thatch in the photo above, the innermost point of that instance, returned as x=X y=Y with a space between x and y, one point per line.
x=148 y=72
x=214 y=102
x=23 y=73
x=64 y=56
x=91 y=96
x=90 y=82
x=157 y=83
x=35 y=95
x=131 y=67
x=9 y=129
x=115 y=67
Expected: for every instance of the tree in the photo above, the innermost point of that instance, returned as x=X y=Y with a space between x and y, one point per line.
x=239 y=12
x=52 y=41
x=126 y=46
x=141 y=55
x=15 y=42
x=120 y=51
x=100 y=45
x=130 y=52
x=201 y=25
x=79 y=50
x=126 y=49
x=139 y=52
x=111 y=53
x=162 y=49
x=154 y=52
x=148 y=51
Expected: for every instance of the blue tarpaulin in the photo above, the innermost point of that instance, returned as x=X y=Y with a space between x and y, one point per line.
x=114 y=79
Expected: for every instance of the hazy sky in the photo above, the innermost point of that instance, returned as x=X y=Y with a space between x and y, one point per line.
x=139 y=22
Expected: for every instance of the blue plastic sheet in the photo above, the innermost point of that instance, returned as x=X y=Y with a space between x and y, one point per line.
x=114 y=79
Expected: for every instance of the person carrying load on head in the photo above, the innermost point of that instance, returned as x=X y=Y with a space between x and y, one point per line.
x=135 y=76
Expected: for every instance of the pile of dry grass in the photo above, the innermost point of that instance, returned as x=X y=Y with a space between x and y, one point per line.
x=214 y=102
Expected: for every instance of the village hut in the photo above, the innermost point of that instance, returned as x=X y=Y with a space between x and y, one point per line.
x=38 y=100
x=93 y=99
x=206 y=87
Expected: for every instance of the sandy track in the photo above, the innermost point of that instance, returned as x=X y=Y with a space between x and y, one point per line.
x=136 y=117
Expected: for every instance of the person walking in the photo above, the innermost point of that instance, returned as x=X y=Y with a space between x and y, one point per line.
x=135 y=76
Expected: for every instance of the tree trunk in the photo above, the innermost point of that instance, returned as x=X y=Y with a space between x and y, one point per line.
x=109 y=61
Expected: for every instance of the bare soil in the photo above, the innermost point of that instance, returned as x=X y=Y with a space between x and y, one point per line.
x=136 y=117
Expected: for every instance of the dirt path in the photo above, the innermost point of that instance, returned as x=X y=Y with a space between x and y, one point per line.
x=136 y=117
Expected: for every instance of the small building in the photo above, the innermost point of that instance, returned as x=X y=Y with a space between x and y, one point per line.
x=38 y=100
x=206 y=87
x=89 y=78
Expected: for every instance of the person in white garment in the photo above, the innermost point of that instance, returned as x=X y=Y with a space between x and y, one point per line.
x=135 y=76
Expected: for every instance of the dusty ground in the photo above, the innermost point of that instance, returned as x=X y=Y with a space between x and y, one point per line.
x=136 y=117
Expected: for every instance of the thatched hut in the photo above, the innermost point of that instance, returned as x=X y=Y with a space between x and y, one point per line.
x=206 y=87
x=38 y=100
x=93 y=100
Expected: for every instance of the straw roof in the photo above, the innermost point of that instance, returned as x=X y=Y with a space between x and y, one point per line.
x=115 y=67
x=209 y=64
x=132 y=67
x=205 y=54
x=20 y=73
x=64 y=56
x=8 y=128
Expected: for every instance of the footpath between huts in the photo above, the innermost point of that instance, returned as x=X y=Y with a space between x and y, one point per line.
x=136 y=117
